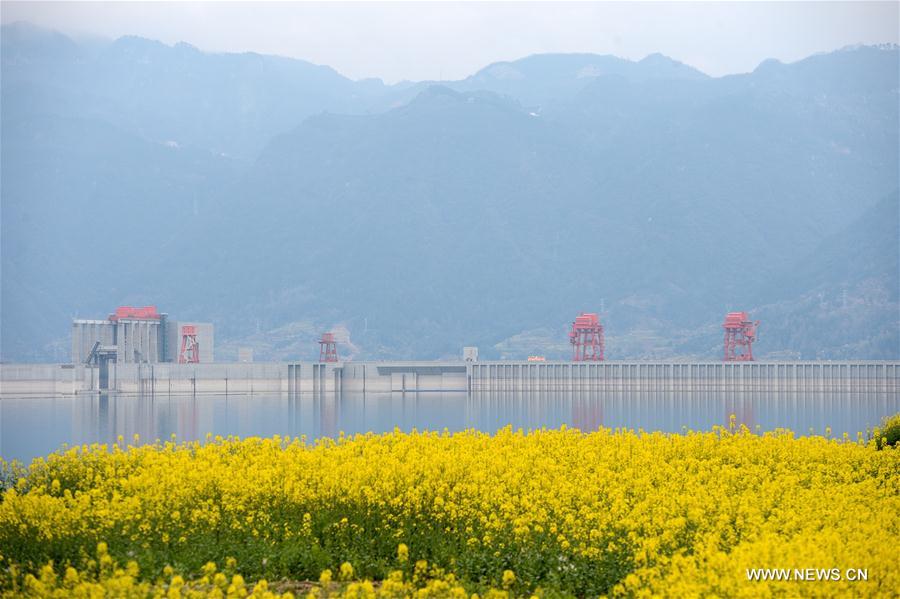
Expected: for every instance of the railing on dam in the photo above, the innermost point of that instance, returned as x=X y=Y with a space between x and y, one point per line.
x=774 y=377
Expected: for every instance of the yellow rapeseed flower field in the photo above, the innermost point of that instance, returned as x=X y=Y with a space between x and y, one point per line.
x=550 y=513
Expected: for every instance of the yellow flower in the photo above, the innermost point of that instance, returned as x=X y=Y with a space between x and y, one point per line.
x=674 y=515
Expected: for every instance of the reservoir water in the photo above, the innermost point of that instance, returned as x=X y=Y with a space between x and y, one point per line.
x=35 y=426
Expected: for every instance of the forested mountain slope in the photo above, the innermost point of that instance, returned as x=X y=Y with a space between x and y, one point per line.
x=279 y=200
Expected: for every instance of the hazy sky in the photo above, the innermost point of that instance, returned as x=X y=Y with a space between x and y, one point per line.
x=450 y=40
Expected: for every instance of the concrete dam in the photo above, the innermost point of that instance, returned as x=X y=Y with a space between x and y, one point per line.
x=866 y=378
x=135 y=351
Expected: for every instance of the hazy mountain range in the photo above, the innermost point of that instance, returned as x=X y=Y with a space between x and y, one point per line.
x=279 y=199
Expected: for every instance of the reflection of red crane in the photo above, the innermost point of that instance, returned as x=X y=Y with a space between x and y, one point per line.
x=328 y=348
x=587 y=338
x=190 y=349
x=740 y=333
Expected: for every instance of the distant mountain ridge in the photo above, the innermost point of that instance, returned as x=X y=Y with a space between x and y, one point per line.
x=546 y=78
x=280 y=199
x=225 y=103
x=264 y=94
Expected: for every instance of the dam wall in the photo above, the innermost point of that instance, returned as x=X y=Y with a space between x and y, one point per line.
x=865 y=377
x=180 y=379
x=718 y=377
x=45 y=379
x=162 y=378
x=379 y=377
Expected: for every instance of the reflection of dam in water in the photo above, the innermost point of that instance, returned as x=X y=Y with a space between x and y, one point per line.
x=33 y=426
x=879 y=377
x=44 y=406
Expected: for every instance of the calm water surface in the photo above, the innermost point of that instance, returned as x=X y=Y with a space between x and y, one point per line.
x=36 y=426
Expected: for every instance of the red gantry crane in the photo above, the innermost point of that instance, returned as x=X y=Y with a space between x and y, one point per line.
x=740 y=333
x=328 y=348
x=587 y=338
x=190 y=348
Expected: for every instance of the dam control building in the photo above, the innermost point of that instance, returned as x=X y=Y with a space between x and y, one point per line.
x=140 y=336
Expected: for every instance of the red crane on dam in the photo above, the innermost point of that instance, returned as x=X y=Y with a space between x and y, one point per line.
x=586 y=338
x=190 y=347
x=740 y=333
x=328 y=348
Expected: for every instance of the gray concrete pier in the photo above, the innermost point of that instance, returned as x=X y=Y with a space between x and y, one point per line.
x=879 y=377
